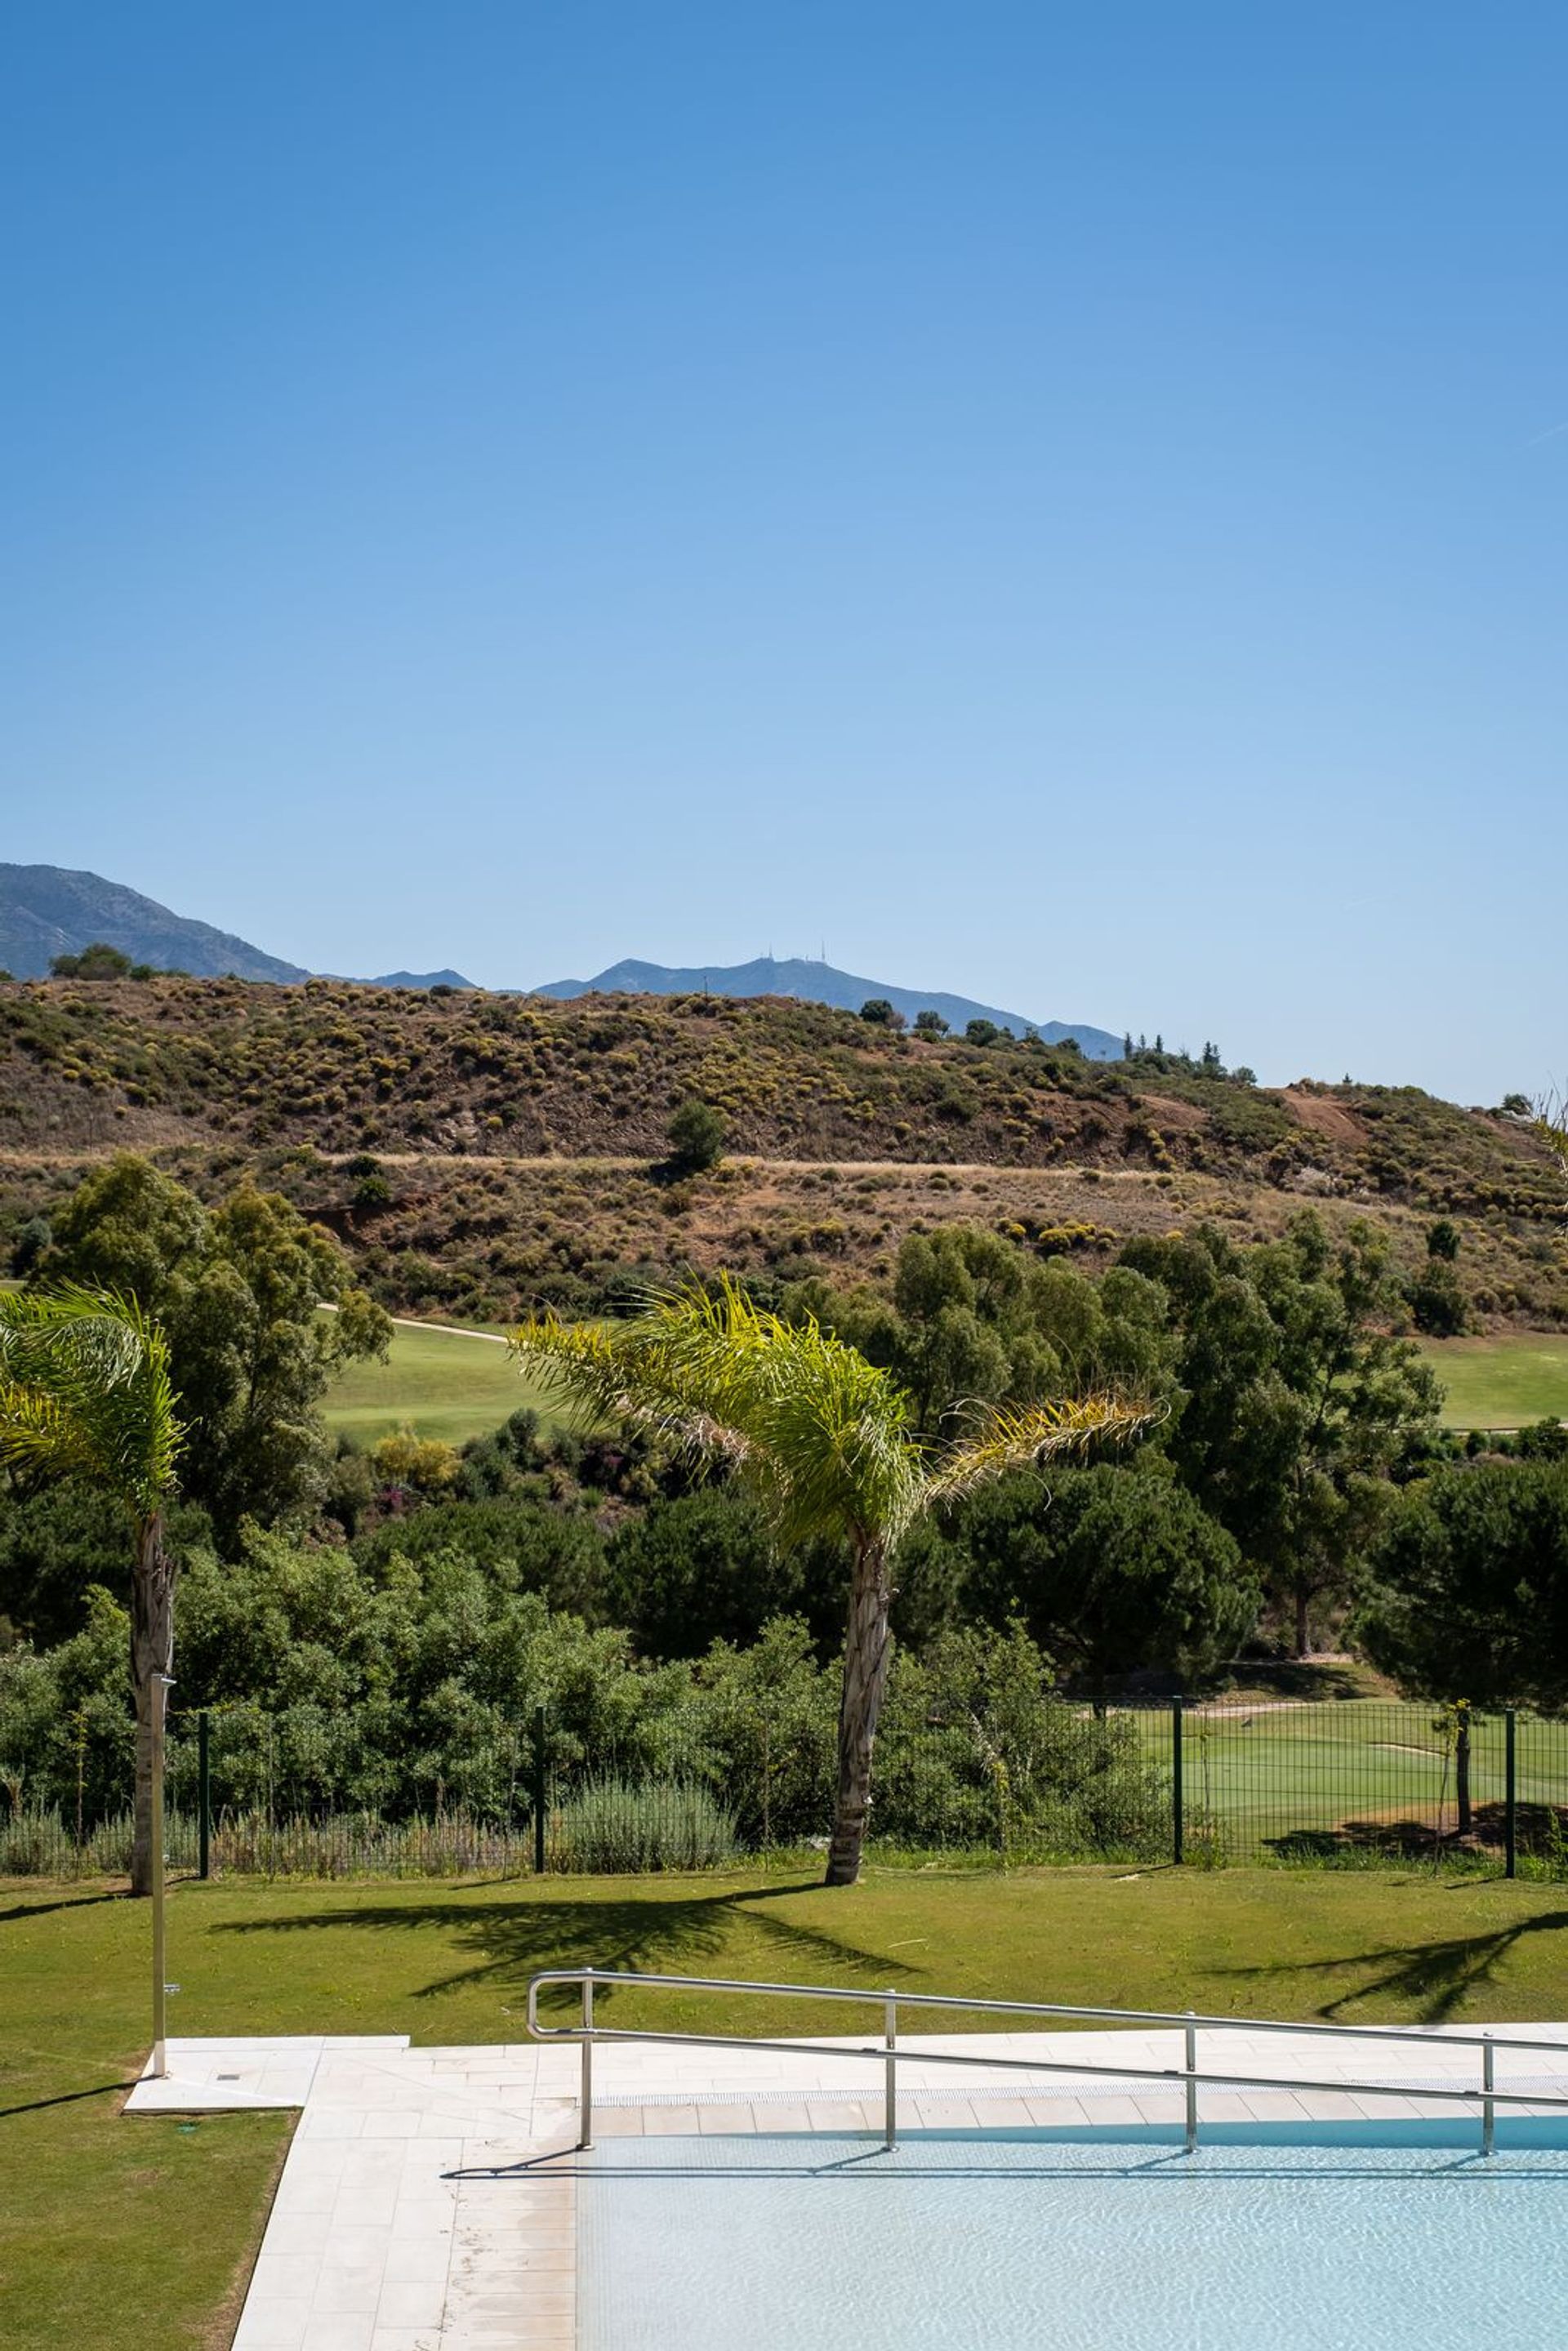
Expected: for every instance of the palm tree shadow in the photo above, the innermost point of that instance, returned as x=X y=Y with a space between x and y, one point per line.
x=513 y=1939
x=1434 y=1978
x=61 y=1902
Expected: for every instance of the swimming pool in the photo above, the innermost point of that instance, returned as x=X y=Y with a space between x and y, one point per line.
x=1398 y=2236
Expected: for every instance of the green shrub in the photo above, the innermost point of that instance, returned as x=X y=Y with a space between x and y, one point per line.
x=612 y=1826
x=697 y=1136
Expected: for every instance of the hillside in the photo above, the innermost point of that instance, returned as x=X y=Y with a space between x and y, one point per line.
x=46 y=911
x=819 y=983
x=478 y=1151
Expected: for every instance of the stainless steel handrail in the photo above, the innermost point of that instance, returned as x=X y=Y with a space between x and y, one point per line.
x=1188 y=2021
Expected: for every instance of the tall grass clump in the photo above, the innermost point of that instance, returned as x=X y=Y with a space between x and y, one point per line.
x=38 y=1842
x=618 y=1827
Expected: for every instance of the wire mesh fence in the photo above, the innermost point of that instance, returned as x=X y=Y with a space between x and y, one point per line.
x=1370 y=1777
x=1057 y=1779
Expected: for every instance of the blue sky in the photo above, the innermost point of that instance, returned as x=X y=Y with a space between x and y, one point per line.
x=1057 y=503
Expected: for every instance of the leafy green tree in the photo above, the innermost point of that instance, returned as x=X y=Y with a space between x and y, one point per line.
x=523 y=1545
x=1119 y=1569
x=1543 y=1440
x=371 y=1190
x=980 y=1750
x=697 y=1136
x=58 y=1537
x=973 y=1317
x=238 y=1292
x=1299 y=1406
x=1443 y=1239
x=930 y=1023
x=700 y=1569
x=879 y=1013
x=98 y=961
x=1470 y=1587
x=30 y=1244
x=85 y=1392
x=826 y=1443
x=981 y=1032
x=1438 y=1301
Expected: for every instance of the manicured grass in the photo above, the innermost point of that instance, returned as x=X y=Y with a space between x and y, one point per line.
x=1504 y=1381
x=1266 y=1769
x=453 y=1384
x=117 y=2232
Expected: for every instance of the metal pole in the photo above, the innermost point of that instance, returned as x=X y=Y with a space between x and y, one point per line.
x=889 y=2073
x=160 y=1696
x=585 y=2094
x=204 y=1793
x=538 y=1792
x=1510 y=1798
x=1178 y=1800
x=1489 y=2111
x=1189 y=2034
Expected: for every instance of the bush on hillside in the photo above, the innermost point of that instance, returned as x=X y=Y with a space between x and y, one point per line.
x=697 y=1136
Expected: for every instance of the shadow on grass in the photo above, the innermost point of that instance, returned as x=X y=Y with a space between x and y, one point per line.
x=1432 y=1978
x=1539 y=1828
x=62 y=1902
x=657 y=1934
x=65 y=2098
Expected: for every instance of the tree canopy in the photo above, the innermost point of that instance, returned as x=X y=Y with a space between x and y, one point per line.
x=237 y=1289
x=1297 y=1404
x=1469 y=1592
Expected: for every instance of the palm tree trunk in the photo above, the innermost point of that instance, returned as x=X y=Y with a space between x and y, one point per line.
x=151 y=1653
x=868 y=1644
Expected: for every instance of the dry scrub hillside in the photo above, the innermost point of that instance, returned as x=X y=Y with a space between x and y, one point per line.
x=517 y=1139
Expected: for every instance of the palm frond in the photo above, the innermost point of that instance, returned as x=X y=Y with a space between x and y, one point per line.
x=1550 y=1122
x=638 y=1371
x=1013 y=1439
x=85 y=1387
x=819 y=1433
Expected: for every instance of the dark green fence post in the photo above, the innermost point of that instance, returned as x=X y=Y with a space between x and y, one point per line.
x=1179 y=1802
x=539 y=1791
x=1510 y=1799
x=204 y=1795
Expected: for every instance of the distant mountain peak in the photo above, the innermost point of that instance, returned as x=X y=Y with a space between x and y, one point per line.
x=425 y=979
x=49 y=910
x=820 y=983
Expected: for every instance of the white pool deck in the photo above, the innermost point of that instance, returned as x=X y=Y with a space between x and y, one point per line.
x=427 y=2202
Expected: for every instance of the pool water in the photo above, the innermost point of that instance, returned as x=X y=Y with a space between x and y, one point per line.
x=1392 y=2240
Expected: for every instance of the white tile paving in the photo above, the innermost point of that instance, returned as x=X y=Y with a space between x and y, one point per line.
x=428 y=2203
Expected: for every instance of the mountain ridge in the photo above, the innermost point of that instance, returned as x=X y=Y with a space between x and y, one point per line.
x=52 y=910
x=812 y=982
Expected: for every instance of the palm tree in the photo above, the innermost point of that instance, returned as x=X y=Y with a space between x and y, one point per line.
x=826 y=1442
x=85 y=1391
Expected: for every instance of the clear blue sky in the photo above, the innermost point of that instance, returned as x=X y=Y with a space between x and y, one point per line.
x=1058 y=502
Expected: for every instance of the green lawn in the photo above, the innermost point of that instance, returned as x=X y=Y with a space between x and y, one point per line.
x=117 y=2232
x=1262 y=1771
x=453 y=1384
x=1504 y=1381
